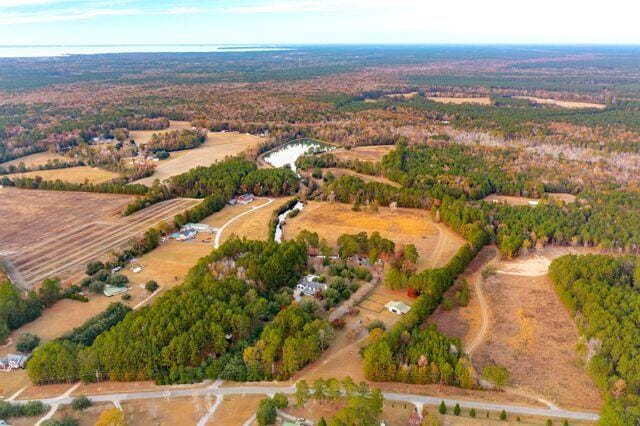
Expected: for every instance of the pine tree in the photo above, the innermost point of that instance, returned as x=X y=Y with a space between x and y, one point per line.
x=456 y=409
x=472 y=413
x=443 y=408
x=503 y=415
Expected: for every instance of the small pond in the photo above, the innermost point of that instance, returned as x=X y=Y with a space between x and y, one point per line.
x=288 y=153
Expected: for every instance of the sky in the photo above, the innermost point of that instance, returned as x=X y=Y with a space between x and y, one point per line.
x=47 y=22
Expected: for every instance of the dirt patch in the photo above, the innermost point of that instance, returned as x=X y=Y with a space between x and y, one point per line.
x=436 y=243
x=87 y=417
x=534 y=337
x=235 y=409
x=216 y=147
x=166 y=411
x=54 y=233
x=35 y=160
x=564 y=104
x=537 y=262
x=363 y=153
x=79 y=175
x=314 y=410
x=367 y=178
x=459 y=101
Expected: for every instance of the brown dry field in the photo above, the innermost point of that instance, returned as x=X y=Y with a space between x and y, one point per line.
x=87 y=417
x=144 y=136
x=367 y=178
x=564 y=104
x=216 y=147
x=459 y=101
x=51 y=233
x=523 y=201
x=529 y=332
x=363 y=153
x=254 y=226
x=314 y=410
x=79 y=174
x=34 y=160
x=436 y=243
x=166 y=411
x=235 y=410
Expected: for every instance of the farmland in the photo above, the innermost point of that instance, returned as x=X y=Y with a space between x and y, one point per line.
x=47 y=233
x=216 y=147
x=436 y=243
x=79 y=174
x=34 y=160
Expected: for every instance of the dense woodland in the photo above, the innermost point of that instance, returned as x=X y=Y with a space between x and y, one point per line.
x=602 y=293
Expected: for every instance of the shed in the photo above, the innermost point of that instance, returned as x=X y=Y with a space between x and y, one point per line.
x=399 y=308
x=110 y=290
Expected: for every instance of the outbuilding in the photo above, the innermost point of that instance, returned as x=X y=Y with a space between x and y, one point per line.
x=398 y=308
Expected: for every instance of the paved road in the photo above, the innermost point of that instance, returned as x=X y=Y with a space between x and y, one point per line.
x=256 y=390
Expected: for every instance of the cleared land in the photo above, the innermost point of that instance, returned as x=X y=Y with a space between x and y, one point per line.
x=528 y=330
x=144 y=136
x=216 y=147
x=436 y=243
x=363 y=153
x=367 y=178
x=35 y=160
x=523 y=201
x=51 y=233
x=564 y=104
x=235 y=410
x=459 y=101
x=166 y=411
x=79 y=174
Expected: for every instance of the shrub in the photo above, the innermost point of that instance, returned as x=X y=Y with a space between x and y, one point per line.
x=443 y=408
x=126 y=296
x=66 y=421
x=151 y=286
x=489 y=271
x=27 y=342
x=280 y=400
x=472 y=413
x=503 y=415
x=499 y=376
x=456 y=409
x=447 y=304
x=33 y=408
x=96 y=286
x=376 y=324
x=81 y=403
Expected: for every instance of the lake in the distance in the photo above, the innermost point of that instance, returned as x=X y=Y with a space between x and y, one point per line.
x=288 y=153
x=48 y=51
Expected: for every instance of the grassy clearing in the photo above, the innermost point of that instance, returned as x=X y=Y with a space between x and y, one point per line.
x=564 y=104
x=144 y=136
x=460 y=101
x=363 y=153
x=216 y=147
x=235 y=410
x=367 y=178
x=34 y=160
x=79 y=174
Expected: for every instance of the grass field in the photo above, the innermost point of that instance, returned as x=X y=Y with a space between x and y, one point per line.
x=216 y=147
x=34 y=160
x=144 y=136
x=523 y=201
x=166 y=411
x=529 y=331
x=367 y=178
x=363 y=153
x=459 y=101
x=79 y=174
x=436 y=244
x=235 y=410
x=564 y=104
x=51 y=233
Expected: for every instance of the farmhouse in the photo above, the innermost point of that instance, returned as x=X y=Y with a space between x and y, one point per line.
x=310 y=286
x=399 y=308
x=13 y=362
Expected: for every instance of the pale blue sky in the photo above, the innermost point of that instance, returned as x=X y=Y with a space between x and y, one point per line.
x=318 y=21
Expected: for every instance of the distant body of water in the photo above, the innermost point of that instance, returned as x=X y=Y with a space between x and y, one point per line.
x=48 y=51
x=288 y=153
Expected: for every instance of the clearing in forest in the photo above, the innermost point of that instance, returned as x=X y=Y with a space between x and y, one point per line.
x=367 y=178
x=564 y=104
x=523 y=201
x=236 y=409
x=55 y=233
x=144 y=136
x=459 y=101
x=167 y=411
x=372 y=153
x=35 y=160
x=435 y=242
x=527 y=330
x=79 y=174
x=216 y=147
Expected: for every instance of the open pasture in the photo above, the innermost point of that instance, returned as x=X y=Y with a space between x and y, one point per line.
x=436 y=243
x=48 y=233
x=34 y=160
x=79 y=174
x=363 y=153
x=564 y=104
x=216 y=147
x=460 y=101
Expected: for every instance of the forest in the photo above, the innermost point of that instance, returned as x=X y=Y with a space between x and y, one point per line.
x=602 y=294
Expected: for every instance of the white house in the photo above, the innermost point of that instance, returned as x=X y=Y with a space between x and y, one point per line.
x=398 y=308
x=310 y=286
x=13 y=362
